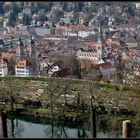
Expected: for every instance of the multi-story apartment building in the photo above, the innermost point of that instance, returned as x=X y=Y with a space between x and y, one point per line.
x=3 y=68
x=22 y=68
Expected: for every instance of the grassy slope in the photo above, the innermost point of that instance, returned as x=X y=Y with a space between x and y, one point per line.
x=128 y=93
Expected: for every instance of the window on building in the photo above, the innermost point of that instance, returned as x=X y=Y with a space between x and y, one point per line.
x=20 y=68
x=20 y=71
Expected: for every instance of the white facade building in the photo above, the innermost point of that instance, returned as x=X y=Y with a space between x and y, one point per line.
x=137 y=5
x=3 y=68
x=21 y=69
x=53 y=69
x=85 y=33
x=27 y=11
x=65 y=20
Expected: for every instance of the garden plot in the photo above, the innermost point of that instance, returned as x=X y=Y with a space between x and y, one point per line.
x=38 y=93
x=70 y=98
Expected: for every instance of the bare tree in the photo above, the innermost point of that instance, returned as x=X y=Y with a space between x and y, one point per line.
x=78 y=103
x=65 y=90
x=11 y=83
x=51 y=90
x=120 y=70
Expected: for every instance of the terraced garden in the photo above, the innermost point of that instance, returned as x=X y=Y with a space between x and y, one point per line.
x=65 y=98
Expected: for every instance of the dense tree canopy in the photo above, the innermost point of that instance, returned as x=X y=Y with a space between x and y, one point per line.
x=12 y=19
x=65 y=6
x=1 y=8
x=15 y=9
x=57 y=14
x=120 y=70
x=26 y=19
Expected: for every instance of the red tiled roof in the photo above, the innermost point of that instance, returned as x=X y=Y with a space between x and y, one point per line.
x=126 y=26
x=8 y=56
x=22 y=63
x=105 y=65
x=40 y=47
x=130 y=53
x=91 y=44
x=112 y=42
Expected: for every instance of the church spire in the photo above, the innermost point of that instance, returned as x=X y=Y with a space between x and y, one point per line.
x=31 y=46
x=99 y=42
x=18 y=50
x=99 y=33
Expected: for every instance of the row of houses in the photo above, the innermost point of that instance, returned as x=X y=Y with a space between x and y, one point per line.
x=21 y=68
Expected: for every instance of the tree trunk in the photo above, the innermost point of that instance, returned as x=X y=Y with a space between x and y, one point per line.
x=93 y=122
x=52 y=106
x=4 y=125
x=78 y=102
x=12 y=101
x=64 y=104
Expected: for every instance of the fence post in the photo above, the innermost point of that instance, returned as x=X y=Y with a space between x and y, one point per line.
x=93 y=122
x=126 y=131
x=4 y=124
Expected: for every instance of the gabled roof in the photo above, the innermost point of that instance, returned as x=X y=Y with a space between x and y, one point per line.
x=126 y=26
x=130 y=53
x=87 y=44
x=112 y=42
x=2 y=62
x=105 y=65
x=8 y=56
x=21 y=63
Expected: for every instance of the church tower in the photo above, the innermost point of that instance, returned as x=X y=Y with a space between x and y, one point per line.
x=32 y=54
x=31 y=46
x=99 y=43
x=19 y=49
x=99 y=46
x=18 y=52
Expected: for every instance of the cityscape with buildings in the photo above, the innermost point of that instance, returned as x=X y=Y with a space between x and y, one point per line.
x=78 y=40
x=40 y=39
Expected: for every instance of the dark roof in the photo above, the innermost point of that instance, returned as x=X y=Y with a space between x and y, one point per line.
x=105 y=65
x=62 y=73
